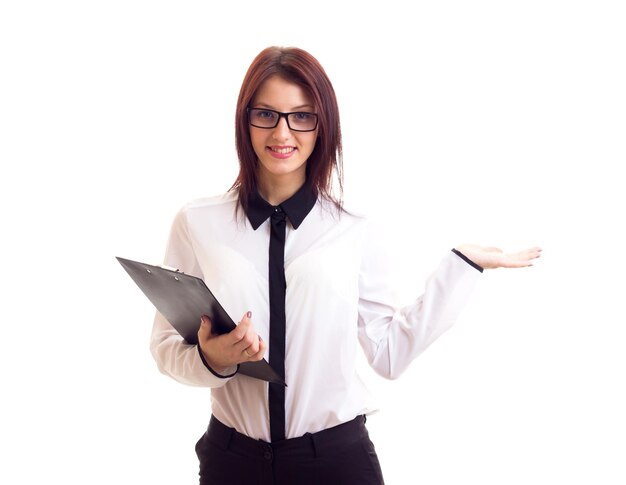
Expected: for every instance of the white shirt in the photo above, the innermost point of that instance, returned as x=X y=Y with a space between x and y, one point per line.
x=337 y=295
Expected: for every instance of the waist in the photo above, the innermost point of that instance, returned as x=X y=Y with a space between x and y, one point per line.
x=323 y=442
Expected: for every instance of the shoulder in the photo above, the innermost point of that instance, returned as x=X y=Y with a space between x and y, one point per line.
x=215 y=207
x=349 y=220
x=372 y=225
x=216 y=203
x=348 y=212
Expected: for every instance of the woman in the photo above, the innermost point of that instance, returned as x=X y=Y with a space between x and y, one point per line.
x=308 y=278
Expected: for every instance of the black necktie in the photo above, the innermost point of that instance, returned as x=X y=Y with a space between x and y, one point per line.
x=277 y=286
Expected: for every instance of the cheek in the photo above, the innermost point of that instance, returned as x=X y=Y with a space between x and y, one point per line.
x=312 y=148
x=309 y=143
x=258 y=143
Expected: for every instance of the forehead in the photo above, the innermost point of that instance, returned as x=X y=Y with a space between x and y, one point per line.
x=278 y=93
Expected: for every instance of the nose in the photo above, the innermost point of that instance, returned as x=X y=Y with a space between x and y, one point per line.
x=282 y=131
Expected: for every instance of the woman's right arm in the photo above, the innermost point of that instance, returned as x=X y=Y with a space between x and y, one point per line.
x=173 y=355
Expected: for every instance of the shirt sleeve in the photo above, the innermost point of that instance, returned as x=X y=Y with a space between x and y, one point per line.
x=392 y=337
x=173 y=355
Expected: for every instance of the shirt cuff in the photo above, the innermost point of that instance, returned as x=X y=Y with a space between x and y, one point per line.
x=206 y=364
x=467 y=260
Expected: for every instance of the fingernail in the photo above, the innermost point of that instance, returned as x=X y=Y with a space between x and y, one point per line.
x=249 y=314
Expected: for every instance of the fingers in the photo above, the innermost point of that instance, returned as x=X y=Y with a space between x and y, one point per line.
x=241 y=344
x=524 y=258
x=242 y=328
x=247 y=339
x=259 y=355
x=490 y=257
x=534 y=253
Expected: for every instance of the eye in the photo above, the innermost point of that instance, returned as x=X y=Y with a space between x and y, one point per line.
x=264 y=114
x=303 y=117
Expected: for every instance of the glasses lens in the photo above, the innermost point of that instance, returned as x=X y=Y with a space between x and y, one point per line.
x=267 y=118
x=302 y=121
x=263 y=118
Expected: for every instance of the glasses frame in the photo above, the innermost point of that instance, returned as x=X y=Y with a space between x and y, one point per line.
x=282 y=115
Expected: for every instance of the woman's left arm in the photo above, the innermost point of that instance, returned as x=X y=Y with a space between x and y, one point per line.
x=393 y=337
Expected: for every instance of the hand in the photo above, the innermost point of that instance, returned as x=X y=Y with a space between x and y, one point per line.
x=490 y=257
x=242 y=344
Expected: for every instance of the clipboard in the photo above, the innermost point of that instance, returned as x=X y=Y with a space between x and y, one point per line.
x=182 y=299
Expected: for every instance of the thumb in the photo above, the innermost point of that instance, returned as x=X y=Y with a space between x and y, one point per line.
x=205 y=330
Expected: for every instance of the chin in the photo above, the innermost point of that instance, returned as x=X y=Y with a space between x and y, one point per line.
x=281 y=169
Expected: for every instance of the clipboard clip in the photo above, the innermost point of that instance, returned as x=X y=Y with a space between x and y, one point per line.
x=169 y=268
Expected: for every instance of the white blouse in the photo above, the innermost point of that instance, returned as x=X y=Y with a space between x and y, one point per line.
x=337 y=295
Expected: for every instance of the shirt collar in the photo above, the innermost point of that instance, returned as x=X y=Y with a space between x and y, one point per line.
x=296 y=207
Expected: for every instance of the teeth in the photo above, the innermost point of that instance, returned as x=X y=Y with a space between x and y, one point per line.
x=283 y=150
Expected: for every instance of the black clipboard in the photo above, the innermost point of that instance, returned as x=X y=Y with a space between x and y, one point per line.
x=182 y=299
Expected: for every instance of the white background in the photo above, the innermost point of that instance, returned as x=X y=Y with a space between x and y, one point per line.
x=493 y=122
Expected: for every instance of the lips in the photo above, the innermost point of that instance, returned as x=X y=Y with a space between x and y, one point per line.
x=282 y=150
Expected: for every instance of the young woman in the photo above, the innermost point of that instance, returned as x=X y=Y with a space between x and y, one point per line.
x=309 y=279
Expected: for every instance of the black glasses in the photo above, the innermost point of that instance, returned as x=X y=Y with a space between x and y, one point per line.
x=268 y=118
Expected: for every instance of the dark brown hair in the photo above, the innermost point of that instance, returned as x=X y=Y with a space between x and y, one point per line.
x=299 y=67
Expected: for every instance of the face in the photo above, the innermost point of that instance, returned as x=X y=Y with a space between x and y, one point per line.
x=282 y=153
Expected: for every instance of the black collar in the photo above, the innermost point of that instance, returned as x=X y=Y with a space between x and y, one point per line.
x=296 y=207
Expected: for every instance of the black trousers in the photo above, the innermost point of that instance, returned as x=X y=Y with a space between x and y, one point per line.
x=336 y=456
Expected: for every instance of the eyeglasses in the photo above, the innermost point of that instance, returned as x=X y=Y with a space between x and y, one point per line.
x=268 y=118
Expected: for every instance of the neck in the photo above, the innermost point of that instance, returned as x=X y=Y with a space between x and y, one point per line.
x=277 y=190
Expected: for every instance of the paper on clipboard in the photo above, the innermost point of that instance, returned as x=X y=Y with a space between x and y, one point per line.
x=182 y=299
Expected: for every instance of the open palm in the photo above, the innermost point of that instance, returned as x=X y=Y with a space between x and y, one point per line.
x=492 y=257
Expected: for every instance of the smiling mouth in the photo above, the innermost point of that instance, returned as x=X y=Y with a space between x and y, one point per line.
x=282 y=150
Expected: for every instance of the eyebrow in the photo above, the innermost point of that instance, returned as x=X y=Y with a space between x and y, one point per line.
x=295 y=108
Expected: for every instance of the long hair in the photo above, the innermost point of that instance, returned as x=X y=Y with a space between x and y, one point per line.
x=299 y=67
